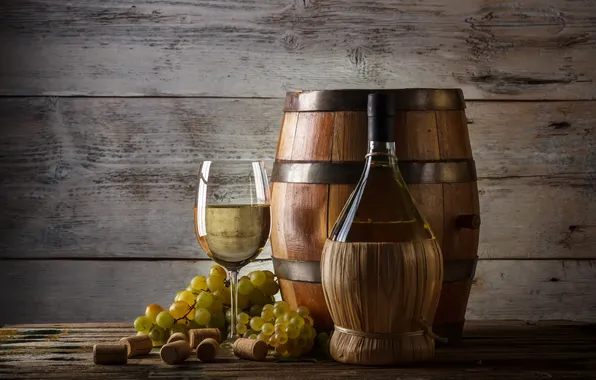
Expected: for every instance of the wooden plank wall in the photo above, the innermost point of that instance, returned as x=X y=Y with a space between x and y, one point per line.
x=106 y=107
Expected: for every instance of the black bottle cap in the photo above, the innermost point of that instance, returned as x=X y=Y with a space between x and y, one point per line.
x=381 y=122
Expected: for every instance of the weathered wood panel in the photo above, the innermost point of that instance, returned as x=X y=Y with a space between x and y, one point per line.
x=508 y=138
x=71 y=291
x=79 y=291
x=116 y=177
x=506 y=49
x=512 y=350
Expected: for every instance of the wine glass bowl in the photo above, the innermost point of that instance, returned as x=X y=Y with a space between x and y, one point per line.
x=232 y=217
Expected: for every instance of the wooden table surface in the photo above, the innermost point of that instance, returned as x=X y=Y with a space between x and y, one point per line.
x=490 y=350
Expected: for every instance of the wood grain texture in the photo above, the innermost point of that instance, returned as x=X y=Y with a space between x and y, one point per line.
x=301 y=232
x=347 y=138
x=68 y=165
x=313 y=139
x=454 y=139
x=416 y=136
x=459 y=199
x=509 y=49
x=84 y=291
x=119 y=290
x=491 y=350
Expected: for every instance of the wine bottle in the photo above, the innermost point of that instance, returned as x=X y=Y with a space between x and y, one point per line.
x=381 y=208
x=381 y=266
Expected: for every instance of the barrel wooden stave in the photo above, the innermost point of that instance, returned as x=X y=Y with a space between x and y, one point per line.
x=340 y=137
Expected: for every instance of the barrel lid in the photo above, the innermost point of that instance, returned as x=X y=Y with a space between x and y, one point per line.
x=437 y=99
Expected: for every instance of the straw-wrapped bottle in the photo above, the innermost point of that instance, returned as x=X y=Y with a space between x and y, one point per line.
x=381 y=267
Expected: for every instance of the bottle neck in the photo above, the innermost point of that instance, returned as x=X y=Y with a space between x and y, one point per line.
x=381 y=153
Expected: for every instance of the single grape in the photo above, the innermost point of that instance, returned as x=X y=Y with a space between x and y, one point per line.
x=273 y=340
x=243 y=301
x=177 y=295
x=257 y=277
x=240 y=328
x=304 y=332
x=281 y=337
x=191 y=289
x=301 y=342
x=292 y=331
x=293 y=349
x=302 y=311
x=181 y=328
x=245 y=287
x=268 y=307
x=223 y=295
x=282 y=349
x=229 y=315
x=280 y=321
x=204 y=300
x=188 y=297
x=268 y=329
x=309 y=345
x=298 y=321
x=215 y=282
x=289 y=315
x=248 y=333
x=256 y=310
x=269 y=287
x=279 y=311
x=267 y=315
x=217 y=270
x=202 y=316
x=256 y=323
x=280 y=327
x=179 y=309
x=309 y=321
x=199 y=283
x=218 y=320
x=243 y=318
x=258 y=298
x=269 y=274
x=164 y=320
x=157 y=334
x=263 y=337
x=152 y=310
x=253 y=336
x=217 y=305
x=143 y=324
x=313 y=332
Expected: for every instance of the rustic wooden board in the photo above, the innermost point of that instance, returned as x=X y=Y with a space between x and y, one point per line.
x=73 y=291
x=490 y=350
x=116 y=177
x=508 y=49
x=80 y=291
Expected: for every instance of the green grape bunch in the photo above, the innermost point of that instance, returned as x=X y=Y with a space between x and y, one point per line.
x=206 y=303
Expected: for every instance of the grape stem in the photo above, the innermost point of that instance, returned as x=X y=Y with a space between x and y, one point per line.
x=186 y=315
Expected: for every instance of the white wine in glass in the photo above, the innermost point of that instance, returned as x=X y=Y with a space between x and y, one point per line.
x=232 y=217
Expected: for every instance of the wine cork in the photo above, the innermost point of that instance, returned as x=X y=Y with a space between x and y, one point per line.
x=198 y=335
x=175 y=352
x=177 y=336
x=108 y=354
x=137 y=345
x=251 y=349
x=207 y=350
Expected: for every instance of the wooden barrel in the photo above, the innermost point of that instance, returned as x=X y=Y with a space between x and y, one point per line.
x=319 y=159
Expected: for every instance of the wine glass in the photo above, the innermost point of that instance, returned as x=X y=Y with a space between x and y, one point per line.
x=232 y=217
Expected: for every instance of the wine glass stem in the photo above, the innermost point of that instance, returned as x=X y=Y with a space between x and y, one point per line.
x=234 y=302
